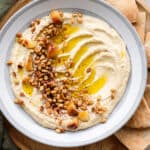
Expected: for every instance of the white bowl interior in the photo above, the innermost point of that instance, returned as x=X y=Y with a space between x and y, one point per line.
x=123 y=110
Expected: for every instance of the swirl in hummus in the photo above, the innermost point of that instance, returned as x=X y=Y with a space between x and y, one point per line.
x=68 y=70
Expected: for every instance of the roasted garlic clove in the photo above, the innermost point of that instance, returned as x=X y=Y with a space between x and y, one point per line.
x=52 y=51
x=73 y=124
x=56 y=17
x=72 y=110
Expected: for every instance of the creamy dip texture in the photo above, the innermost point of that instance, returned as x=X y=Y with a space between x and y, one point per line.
x=91 y=57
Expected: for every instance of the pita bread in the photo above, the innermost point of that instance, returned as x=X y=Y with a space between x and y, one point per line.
x=147 y=48
x=140 y=25
x=148 y=23
x=141 y=7
x=134 y=139
x=127 y=7
x=147 y=95
x=143 y=4
x=147 y=39
x=141 y=118
x=148 y=80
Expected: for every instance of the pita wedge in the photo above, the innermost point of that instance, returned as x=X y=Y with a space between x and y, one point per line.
x=134 y=139
x=148 y=23
x=143 y=4
x=148 y=81
x=127 y=7
x=147 y=95
x=140 y=25
x=141 y=118
x=147 y=48
x=147 y=40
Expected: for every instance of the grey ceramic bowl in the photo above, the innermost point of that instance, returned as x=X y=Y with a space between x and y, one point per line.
x=123 y=111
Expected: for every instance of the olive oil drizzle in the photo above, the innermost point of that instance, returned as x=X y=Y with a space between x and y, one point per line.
x=73 y=43
x=97 y=85
x=84 y=48
x=27 y=88
x=89 y=80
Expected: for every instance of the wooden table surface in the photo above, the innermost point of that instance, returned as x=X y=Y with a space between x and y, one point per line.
x=25 y=143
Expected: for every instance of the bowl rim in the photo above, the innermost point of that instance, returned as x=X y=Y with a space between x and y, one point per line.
x=115 y=129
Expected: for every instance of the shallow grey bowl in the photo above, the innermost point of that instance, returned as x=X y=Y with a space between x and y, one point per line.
x=123 y=111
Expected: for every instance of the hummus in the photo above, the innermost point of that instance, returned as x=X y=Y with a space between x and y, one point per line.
x=91 y=60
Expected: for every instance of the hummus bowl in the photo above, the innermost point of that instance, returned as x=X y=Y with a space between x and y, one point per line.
x=93 y=71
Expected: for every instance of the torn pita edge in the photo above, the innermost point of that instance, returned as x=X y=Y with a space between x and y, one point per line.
x=134 y=139
x=127 y=7
x=144 y=5
x=140 y=25
x=147 y=95
x=141 y=118
x=147 y=48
